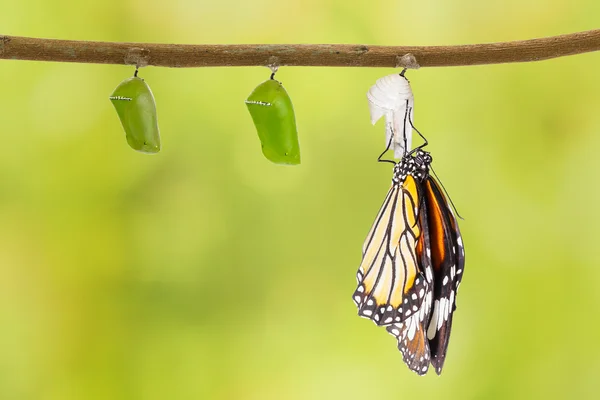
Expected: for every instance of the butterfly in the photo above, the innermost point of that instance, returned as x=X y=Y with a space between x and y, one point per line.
x=412 y=264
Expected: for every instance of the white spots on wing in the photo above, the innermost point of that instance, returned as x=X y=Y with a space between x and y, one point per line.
x=370 y=302
x=395 y=332
x=442 y=313
x=422 y=311
x=445 y=281
x=390 y=308
x=428 y=274
x=428 y=299
x=360 y=289
x=382 y=309
x=357 y=299
x=415 y=308
x=421 y=292
x=431 y=330
x=445 y=308
x=424 y=368
x=376 y=317
x=404 y=334
x=459 y=272
x=368 y=313
x=387 y=320
x=452 y=271
x=414 y=296
x=405 y=300
x=459 y=241
x=412 y=329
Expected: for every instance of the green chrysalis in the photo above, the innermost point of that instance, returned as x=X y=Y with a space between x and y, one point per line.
x=135 y=105
x=273 y=115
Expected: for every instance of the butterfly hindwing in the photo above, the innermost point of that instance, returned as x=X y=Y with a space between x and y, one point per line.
x=412 y=333
x=412 y=340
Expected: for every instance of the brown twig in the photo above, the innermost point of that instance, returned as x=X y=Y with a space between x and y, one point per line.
x=331 y=55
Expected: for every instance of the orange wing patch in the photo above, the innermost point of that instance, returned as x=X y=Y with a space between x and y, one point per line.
x=447 y=256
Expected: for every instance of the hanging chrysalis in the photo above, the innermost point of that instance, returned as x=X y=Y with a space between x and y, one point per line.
x=273 y=114
x=392 y=97
x=136 y=108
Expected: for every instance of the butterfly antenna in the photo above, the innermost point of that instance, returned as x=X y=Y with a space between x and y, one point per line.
x=406 y=116
x=445 y=191
x=420 y=134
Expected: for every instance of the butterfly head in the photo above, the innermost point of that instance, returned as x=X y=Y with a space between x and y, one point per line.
x=416 y=164
x=422 y=158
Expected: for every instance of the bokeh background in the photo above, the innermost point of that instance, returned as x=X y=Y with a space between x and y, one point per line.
x=206 y=272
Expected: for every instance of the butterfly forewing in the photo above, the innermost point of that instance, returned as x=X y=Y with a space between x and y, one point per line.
x=447 y=256
x=391 y=285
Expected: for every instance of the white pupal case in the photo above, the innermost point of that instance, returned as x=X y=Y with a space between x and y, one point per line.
x=392 y=97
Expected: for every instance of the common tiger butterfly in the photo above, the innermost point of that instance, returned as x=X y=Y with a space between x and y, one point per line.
x=273 y=115
x=136 y=108
x=412 y=264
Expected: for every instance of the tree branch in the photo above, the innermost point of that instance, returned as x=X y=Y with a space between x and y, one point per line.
x=330 y=55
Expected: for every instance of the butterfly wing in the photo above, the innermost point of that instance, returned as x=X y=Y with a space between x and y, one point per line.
x=391 y=285
x=447 y=257
x=412 y=333
x=412 y=339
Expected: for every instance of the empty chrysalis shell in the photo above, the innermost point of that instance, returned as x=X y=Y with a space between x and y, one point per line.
x=392 y=97
x=273 y=114
x=136 y=108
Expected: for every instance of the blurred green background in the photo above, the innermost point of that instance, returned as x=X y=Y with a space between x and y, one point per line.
x=206 y=272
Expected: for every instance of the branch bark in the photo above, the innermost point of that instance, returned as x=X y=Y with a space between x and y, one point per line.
x=323 y=55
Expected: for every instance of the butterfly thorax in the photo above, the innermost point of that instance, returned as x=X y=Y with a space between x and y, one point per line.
x=416 y=165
